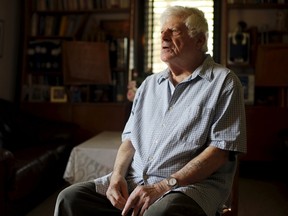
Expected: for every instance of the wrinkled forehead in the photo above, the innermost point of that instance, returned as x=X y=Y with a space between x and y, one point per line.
x=173 y=22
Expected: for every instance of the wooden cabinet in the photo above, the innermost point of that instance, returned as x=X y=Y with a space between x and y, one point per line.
x=264 y=125
x=75 y=61
x=91 y=117
x=266 y=28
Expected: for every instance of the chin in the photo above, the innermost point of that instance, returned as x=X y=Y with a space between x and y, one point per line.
x=166 y=57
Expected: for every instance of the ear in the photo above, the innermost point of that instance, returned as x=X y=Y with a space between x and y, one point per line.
x=201 y=39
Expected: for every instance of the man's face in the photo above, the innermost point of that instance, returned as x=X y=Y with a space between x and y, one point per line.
x=177 y=45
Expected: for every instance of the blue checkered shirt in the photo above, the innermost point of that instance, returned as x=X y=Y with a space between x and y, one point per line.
x=168 y=126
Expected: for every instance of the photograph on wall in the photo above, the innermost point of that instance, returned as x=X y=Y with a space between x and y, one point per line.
x=38 y=93
x=58 y=94
x=238 y=48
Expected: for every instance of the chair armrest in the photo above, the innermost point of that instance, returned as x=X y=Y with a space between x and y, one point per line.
x=6 y=165
x=5 y=155
x=6 y=169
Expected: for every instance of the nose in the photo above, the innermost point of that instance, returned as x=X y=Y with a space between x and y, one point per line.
x=165 y=34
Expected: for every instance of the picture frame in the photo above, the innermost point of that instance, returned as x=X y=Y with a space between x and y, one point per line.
x=1 y=37
x=86 y=62
x=78 y=93
x=248 y=83
x=238 y=48
x=58 y=94
x=38 y=93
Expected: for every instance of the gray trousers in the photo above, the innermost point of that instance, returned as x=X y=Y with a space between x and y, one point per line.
x=81 y=199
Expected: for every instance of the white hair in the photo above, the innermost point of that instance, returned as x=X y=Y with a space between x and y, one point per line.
x=193 y=18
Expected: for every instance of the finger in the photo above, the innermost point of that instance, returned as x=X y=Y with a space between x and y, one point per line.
x=129 y=204
x=135 y=211
x=143 y=209
x=125 y=209
x=140 y=208
x=117 y=200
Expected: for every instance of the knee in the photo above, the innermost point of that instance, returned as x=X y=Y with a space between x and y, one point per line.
x=66 y=196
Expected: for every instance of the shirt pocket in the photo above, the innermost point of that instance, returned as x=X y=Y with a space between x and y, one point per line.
x=195 y=125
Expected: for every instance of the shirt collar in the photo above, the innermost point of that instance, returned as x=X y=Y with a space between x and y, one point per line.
x=204 y=71
x=164 y=75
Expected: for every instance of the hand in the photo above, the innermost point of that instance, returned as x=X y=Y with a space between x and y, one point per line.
x=117 y=191
x=142 y=197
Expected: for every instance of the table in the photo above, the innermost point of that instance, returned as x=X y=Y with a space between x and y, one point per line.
x=93 y=158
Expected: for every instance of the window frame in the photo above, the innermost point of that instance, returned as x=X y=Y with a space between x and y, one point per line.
x=139 y=42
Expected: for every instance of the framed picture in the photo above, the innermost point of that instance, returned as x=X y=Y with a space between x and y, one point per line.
x=238 y=48
x=58 y=94
x=248 y=83
x=38 y=93
x=86 y=63
x=1 y=37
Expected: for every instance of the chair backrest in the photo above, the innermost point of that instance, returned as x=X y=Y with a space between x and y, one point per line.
x=232 y=209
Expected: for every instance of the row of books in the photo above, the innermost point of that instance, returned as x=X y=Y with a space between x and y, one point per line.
x=72 y=5
x=49 y=25
x=118 y=53
x=46 y=55
x=80 y=27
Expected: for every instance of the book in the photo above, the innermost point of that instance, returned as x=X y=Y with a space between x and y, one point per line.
x=49 y=25
x=34 y=24
x=63 y=25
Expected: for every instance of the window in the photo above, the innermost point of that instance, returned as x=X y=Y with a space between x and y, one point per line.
x=154 y=8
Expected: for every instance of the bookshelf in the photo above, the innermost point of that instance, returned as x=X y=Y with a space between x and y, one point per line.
x=75 y=61
x=262 y=57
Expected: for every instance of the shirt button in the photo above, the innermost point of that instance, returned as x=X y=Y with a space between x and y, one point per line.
x=145 y=177
x=150 y=158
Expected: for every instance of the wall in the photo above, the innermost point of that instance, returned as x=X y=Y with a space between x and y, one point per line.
x=9 y=66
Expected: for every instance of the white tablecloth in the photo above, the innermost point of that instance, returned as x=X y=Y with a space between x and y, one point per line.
x=93 y=158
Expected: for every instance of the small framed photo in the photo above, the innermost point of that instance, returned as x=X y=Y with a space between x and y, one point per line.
x=238 y=48
x=248 y=83
x=1 y=37
x=38 y=93
x=58 y=94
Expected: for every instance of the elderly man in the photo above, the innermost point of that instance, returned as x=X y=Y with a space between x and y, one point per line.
x=186 y=127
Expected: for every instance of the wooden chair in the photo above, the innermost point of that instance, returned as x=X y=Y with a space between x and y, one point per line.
x=232 y=209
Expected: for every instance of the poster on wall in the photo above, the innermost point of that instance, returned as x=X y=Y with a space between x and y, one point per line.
x=1 y=37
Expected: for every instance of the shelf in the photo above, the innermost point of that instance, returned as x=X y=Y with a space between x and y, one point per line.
x=92 y=11
x=45 y=73
x=65 y=104
x=268 y=114
x=255 y=6
x=52 y=69
x=91 y=117
x=50 y=37
x=240 y=66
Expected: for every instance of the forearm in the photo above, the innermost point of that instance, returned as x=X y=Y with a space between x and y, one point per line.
x=201 y=167
x=123 y=158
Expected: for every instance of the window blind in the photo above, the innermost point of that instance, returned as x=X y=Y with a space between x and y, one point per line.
x=153 y=10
